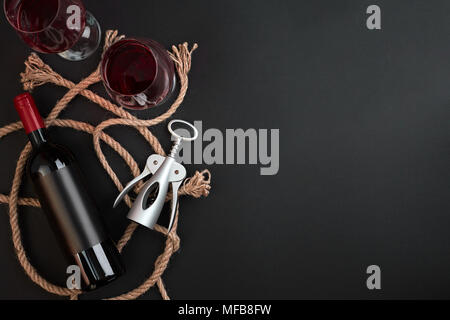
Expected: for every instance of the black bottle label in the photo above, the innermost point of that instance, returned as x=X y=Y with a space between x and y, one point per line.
x=70 y=209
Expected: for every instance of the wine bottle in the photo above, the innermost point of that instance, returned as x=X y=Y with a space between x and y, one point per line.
x=63 y=197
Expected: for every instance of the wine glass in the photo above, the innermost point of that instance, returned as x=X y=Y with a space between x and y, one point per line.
x=55 y=26
x=138 y=73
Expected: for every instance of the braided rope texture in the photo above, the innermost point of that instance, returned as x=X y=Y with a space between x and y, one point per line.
x=38 y=73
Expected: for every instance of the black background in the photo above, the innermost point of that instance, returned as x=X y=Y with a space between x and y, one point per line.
x=364 y=151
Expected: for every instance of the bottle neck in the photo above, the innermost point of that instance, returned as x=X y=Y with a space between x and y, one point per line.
x=31 y=119
x=38 y=137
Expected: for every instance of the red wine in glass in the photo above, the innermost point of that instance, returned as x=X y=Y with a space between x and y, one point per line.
x=138 y=73
x=54 y=26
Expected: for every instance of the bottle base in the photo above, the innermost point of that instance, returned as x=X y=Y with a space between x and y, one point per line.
x=100 y=265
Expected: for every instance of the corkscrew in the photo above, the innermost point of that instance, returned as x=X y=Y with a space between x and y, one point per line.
x=165 y=171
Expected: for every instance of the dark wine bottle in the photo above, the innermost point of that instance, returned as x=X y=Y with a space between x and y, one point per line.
x=63 y=197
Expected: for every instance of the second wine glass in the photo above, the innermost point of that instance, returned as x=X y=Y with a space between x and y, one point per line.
x=138 y=73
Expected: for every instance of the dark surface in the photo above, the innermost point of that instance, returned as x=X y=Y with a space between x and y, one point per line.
x=364 y=153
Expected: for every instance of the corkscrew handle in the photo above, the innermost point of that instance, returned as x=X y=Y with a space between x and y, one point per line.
x=179 y=139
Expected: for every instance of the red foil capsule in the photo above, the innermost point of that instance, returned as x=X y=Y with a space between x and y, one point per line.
x=28 y=112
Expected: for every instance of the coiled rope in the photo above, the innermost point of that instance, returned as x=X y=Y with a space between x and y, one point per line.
x=38 y=73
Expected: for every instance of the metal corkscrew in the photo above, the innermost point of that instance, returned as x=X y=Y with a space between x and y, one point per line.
x=165 y=171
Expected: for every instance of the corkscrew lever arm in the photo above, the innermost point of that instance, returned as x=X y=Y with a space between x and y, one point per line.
x=175 y=186
x=153 y=163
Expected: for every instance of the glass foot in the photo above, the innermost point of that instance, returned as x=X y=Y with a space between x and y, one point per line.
x=88 y=42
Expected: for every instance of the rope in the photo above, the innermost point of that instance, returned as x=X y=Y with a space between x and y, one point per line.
x=38 y=73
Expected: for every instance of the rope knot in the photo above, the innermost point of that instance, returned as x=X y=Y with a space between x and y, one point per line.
x=182 y=57
x=198 y=185
x=38 y=73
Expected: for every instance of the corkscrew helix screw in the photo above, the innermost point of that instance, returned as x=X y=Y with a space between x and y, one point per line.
x=165 y=170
